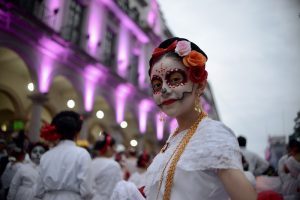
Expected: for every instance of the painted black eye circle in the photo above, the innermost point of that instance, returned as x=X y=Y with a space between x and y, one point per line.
x=176 y=77
x=156 y=83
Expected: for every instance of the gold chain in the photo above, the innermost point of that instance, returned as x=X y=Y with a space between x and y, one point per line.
x=177 y=154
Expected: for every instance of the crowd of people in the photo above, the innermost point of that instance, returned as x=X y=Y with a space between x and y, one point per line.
x=202 y=159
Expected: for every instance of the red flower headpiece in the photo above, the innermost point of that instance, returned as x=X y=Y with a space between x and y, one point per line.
x=193 y=60
x=48 y=132
x=161 y=51
x=106 y=145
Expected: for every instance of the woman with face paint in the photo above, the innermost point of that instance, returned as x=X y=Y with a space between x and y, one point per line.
x=64 y=169
x=22 y=184
x=201 y=159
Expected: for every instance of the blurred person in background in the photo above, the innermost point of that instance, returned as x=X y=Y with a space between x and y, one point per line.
x=3 y=156
x=291 y=181
x=257 y=165
x=291 y=149
x=139 y=177
x=16 y=158
x=23 y=183
x=248 y=174
x=64 y=169
x=106 y=172
x=130 y=162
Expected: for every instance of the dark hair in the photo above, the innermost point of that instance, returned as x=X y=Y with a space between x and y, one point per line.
x=294 y=142
x=143 y=160
x=18 y=153
x=242 y=141
x=101 y=145
x=165 y=44
x=67 y=124
x=33 y=145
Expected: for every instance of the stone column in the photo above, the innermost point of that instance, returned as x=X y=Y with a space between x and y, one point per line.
x=85 y=125
x=38 y=100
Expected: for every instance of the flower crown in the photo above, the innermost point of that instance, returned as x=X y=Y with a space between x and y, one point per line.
x=192 y=60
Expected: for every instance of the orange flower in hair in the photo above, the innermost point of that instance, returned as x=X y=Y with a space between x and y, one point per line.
x=194 y=58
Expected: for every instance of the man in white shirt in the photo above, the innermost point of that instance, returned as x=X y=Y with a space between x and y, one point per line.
x=257 y=165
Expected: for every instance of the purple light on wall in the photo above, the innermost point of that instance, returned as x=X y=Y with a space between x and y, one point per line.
x=44 y=77
x=159 y=127
x=123 y=17
x=94 y=28
x=152 y=15
x=91 y=75
x=54 y=4
x=141 y=69
x=123 y=51
x=173 y=125
x=54 y=19
x=205 y=105
x=51 y=48
x=121 y=94
x=144 y=107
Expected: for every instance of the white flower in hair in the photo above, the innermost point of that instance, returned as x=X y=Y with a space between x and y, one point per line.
x=183 y=48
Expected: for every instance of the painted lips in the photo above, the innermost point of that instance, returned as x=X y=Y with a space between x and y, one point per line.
x=168 y=102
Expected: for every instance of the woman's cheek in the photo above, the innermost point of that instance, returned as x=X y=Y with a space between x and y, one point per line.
x=156 y=98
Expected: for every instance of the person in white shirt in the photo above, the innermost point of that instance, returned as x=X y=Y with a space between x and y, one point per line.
x=23 y=182
x=16 y=159
x=64 y=169
x=291 y=149
x=130 y=161
x=201 y=159
x=291 y=181
x=139 y=177
x=106 y=172
x=257 y=165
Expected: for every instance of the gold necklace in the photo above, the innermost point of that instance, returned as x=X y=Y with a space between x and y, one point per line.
x=177 y=154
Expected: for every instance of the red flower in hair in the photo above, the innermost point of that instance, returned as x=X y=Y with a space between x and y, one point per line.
x=197 y=74
x=160 y=51
x=48 y=132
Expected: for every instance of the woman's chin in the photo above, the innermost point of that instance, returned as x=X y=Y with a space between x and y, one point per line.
x=171 y=113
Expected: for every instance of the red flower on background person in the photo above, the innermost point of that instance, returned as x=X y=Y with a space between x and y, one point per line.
x=48 y=132
x=183 y=48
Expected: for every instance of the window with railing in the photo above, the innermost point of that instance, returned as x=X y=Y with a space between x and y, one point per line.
x=133 y=69
x=71 y=30
x=109 y=48
x=123 y=4
x=38 y=9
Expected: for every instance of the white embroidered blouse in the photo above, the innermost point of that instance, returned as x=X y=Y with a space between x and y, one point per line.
x=213 y=146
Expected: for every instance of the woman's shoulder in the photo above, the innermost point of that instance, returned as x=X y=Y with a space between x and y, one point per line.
x=214 y=145
x=212 y=133
x=216 y=127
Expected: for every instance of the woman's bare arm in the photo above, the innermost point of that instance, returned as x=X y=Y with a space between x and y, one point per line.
x=237 y=185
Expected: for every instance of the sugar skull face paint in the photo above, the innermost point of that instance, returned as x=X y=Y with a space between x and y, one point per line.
x=173 y=92
x=37 y=153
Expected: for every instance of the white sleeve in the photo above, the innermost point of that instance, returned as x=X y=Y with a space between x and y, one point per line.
x=39 y=187
x=261 y=165
x=126 y=191
x=84 y=176
x=15 y=184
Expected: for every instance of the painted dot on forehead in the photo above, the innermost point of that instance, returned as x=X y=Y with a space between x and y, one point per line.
x=161 y=70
